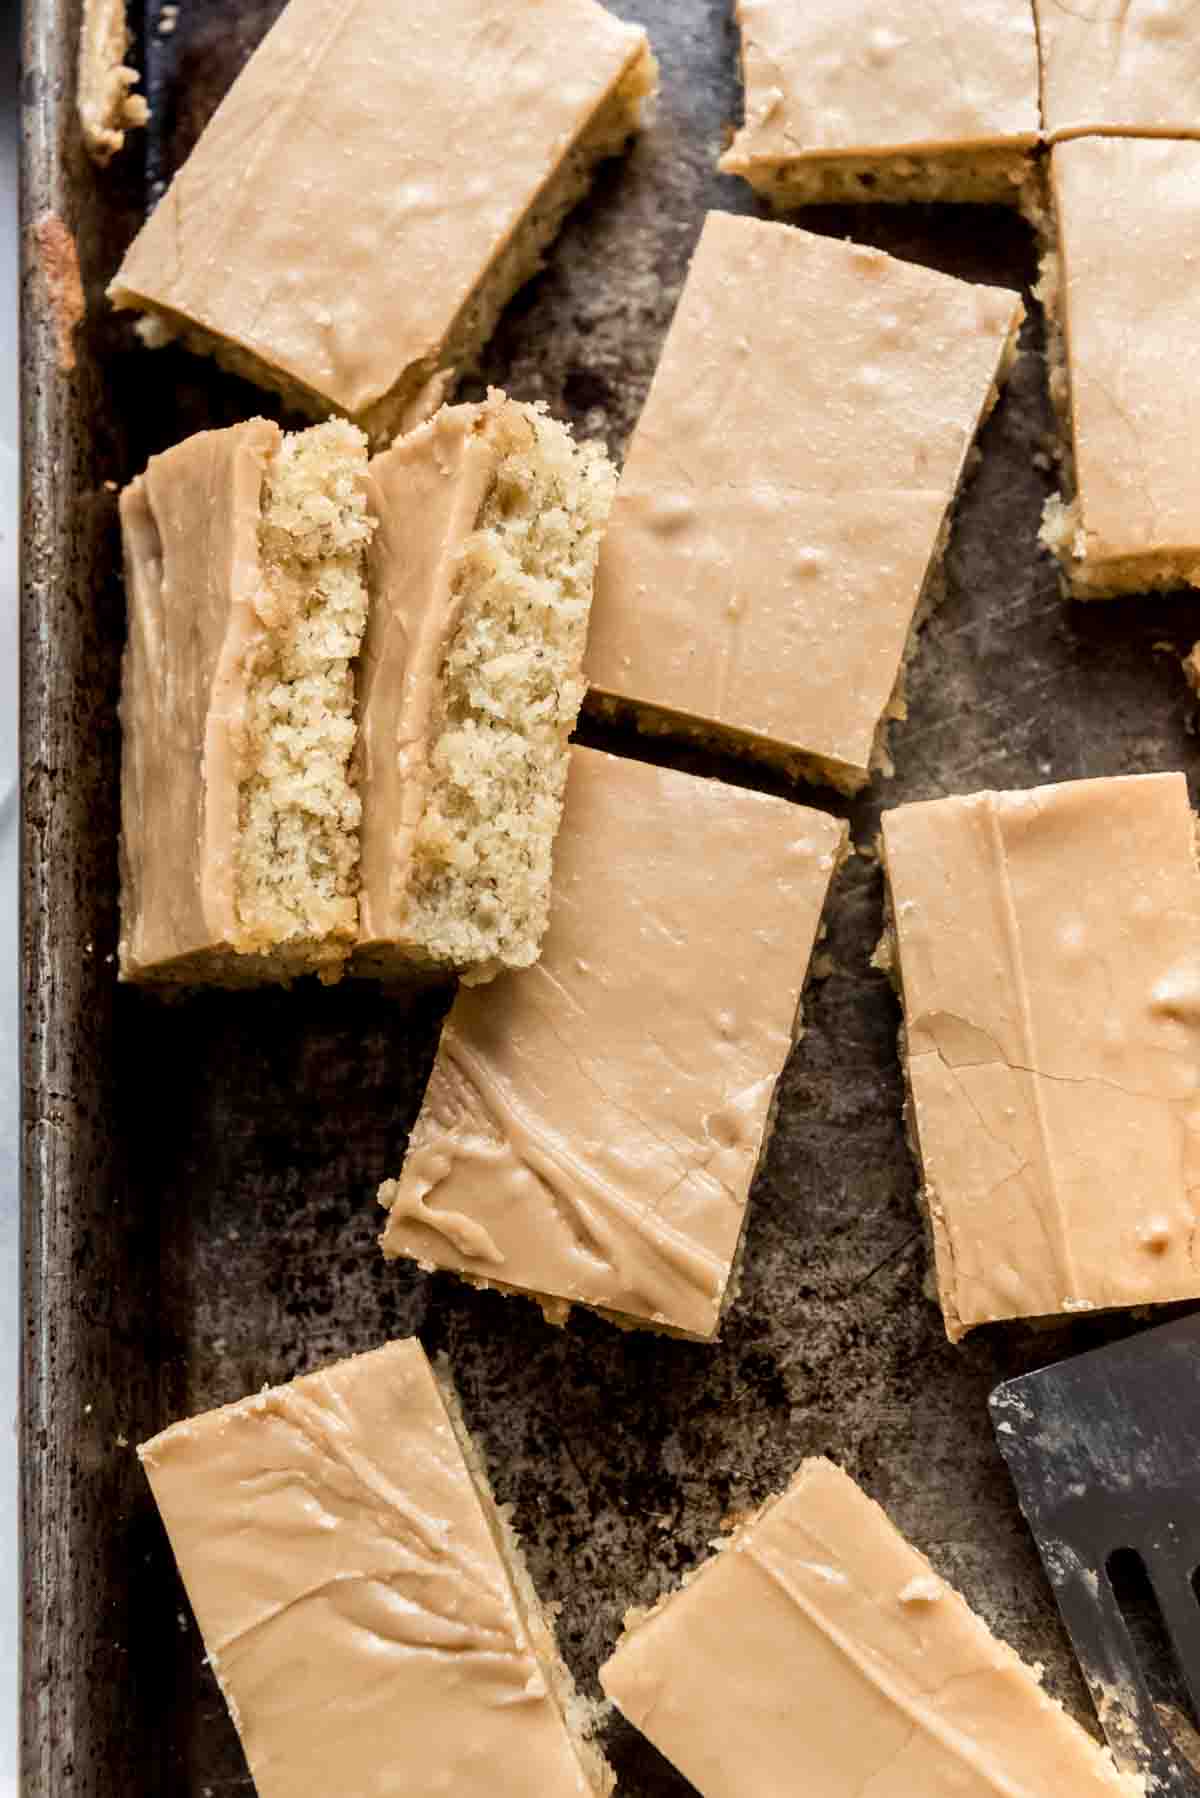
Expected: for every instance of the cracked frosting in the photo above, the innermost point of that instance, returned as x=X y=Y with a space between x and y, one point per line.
x=354 y=1605
x=877 y=77
x=1049 y=959
x=364 y=172
x=820 y=1652
x=778 y=510
x=1120 y=66
x=190 y=531
x=1128 y=215
x=592 y=1124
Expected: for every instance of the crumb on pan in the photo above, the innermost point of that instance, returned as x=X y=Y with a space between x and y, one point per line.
x=107 y=108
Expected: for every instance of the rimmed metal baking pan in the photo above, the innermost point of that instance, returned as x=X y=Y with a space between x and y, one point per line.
x=198 y=1213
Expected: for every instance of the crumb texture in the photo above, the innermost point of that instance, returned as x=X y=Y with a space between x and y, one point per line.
x=298 y=814
x=246 y=586
x=510 y=691
x=107 y=108
x=953 y=177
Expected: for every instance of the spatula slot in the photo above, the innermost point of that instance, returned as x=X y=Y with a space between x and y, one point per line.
x=1158 y=1661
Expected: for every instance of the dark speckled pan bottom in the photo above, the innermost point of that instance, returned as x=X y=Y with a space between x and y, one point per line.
x=200 y=1178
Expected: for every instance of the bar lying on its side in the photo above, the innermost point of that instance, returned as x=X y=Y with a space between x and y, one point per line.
x=480 y=575
x=244 y=564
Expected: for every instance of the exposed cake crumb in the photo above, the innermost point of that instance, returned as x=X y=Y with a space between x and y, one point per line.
x=107 y=108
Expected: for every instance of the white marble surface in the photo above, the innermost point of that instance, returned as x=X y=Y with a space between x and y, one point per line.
x=8 y=877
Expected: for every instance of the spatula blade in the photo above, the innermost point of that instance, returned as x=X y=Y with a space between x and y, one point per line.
x=1104 y=1451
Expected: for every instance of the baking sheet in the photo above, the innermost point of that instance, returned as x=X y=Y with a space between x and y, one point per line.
x=199 y=1215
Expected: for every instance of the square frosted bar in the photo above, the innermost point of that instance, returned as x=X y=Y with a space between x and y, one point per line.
x=782 y=511
x=1046 y=947
x=879 y=100
x=364 y=1607
x=1123 y=309
x=374 y=187
x=593 y=1123
x=818 y=1652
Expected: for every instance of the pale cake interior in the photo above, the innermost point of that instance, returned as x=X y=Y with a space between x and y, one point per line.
x=580 y=1716
x=106 y=106
x=987 y=175
x=298 y=816
x=510 y=689
x=422 y=385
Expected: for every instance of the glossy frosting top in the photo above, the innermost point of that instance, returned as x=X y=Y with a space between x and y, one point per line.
x=353 y=1603
x=860 y=77
x=368 y=165
x=1049 y=954
x=1120 y=65
x=1128 y=214
x=819 y=1652
x=593 y=1123
x=784 y=490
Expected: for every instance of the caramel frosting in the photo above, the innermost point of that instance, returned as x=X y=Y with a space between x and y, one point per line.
x=863 y=77
x=365 y=170
x=593 y=1123
x=1120 y=65
x=1128 y=214
x=190 y=530
x=779 y=507
x=1049 y=955
x=819 y=1652
x=425 y=492
x=354 y=1605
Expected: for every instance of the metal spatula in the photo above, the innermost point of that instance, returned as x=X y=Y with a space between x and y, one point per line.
x=1104 y=1450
